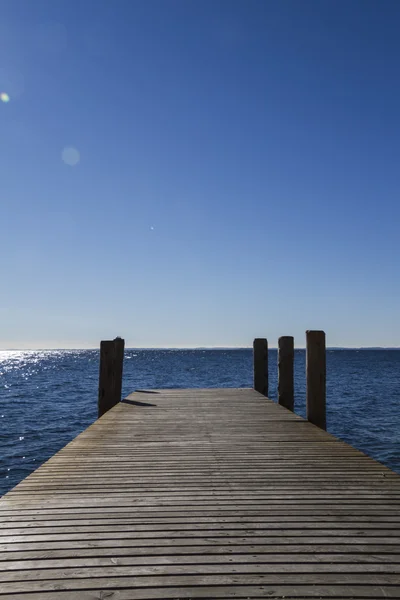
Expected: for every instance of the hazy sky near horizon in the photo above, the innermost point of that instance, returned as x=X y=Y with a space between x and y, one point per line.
x=199 y=172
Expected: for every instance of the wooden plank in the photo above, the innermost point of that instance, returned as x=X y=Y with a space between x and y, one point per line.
x=242 y=592
x=285 y=520
x=389 y=529
x=202 y=494
x=203 y=580
x=266 y=519
x=147 y=532
x=273 y=561
x=304 y=571
x=229 y=551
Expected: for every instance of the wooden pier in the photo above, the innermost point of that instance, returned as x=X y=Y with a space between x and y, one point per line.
x=216 y=493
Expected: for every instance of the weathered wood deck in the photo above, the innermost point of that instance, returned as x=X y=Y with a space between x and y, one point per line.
x=202 y=494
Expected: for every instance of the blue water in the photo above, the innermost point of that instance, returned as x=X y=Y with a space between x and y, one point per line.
x=48 y=397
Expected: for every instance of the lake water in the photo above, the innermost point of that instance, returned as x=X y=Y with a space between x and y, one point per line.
x=48 y=397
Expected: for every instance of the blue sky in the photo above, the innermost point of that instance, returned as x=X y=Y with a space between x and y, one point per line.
x=238 y=173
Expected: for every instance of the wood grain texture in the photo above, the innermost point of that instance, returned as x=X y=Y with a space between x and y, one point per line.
x=180 y=494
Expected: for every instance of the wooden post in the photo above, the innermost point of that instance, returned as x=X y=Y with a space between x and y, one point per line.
x=110 y=379
x=316 y=378
x=260 y=358
x=285 y=372
x=118 y=367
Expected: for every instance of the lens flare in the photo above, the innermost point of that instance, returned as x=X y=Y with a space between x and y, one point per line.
x=71 y=156
x=4 y=97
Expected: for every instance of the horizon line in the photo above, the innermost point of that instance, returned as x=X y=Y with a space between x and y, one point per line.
x=193 y=348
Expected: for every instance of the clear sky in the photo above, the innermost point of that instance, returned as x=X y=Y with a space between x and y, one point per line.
x=199 y=172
